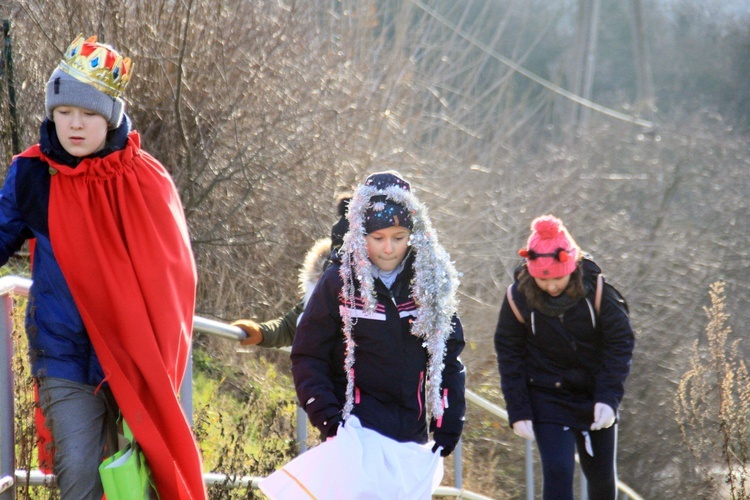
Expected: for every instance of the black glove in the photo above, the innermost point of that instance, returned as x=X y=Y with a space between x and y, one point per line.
x=445 y=441
x=331 y=426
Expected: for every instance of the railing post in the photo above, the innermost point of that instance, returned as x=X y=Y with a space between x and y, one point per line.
x=529 y=470
x=584 y=486
x=301 y=430
x=7 y=409
x=617 y=435
x=458 y=471
x=186 y=389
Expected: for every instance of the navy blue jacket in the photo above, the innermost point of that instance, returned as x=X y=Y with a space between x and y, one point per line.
x=59 y=345
x=560 y=370
x=390 y=363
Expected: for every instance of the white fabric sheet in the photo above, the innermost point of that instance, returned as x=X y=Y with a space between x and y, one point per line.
x=359 y=464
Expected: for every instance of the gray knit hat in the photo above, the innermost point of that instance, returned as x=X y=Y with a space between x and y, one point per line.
x=91 y=76
x=65 y=90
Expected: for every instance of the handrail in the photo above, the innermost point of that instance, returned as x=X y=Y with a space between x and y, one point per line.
x=8 y=476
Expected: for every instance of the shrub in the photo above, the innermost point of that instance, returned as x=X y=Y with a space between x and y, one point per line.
x=713 y=406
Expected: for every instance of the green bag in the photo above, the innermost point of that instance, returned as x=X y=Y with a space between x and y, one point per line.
x=125 y=475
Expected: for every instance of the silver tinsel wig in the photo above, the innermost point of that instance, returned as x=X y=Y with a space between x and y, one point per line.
x=433 y=288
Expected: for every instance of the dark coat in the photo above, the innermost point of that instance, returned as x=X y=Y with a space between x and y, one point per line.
x=558 y=371
x=390 y=363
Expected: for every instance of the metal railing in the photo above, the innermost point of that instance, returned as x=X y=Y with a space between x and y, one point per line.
x=9 y=477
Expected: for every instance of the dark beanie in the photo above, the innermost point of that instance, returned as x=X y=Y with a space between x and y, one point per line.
x=383 y=180
x=384 y=212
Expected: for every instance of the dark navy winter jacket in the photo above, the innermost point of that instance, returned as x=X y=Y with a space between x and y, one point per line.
x=59 y=345
x=389 y=368
x=555 y=369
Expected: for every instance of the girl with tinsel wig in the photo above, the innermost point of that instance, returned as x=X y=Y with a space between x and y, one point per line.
x=376 y=357
x=564 y=346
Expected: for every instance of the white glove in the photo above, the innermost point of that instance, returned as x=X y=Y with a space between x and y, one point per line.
x=524 y=429
x=604 y=417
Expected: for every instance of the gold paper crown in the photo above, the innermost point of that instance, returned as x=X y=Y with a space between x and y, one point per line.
x=97 y=64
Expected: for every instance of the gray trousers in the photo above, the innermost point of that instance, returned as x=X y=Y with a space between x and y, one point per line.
x=83 y=422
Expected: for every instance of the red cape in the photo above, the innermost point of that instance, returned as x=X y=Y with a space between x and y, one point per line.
x=119 y=233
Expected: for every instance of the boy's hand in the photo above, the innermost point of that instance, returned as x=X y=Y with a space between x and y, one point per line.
x=252 y=329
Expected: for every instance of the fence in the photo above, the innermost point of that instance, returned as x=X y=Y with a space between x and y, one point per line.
x=10 y=285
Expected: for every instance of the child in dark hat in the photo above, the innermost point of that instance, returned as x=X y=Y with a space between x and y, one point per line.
x=280 y=332
x=380 y=327
x=110 y=311
x=564 y=346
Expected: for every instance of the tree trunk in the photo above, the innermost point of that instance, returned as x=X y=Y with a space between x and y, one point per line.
x=645 y=98
x=592 y=29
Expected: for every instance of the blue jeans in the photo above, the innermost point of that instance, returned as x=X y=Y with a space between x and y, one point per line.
x=83 y=423
x=557 y=446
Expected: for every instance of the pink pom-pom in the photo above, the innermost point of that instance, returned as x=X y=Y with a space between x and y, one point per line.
x=547 y=226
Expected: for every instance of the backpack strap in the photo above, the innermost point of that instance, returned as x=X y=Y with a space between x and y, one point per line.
x=513 y=305
x=599 y=292
x=597 y=298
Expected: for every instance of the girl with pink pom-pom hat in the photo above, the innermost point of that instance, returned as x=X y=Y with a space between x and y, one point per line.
x=564 y=345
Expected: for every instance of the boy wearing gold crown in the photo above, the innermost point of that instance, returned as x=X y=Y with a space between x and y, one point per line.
x=110 y=311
